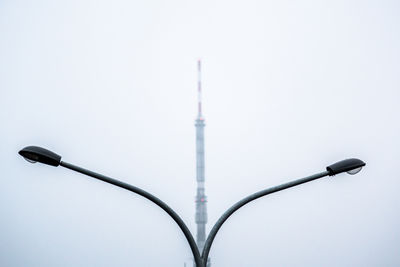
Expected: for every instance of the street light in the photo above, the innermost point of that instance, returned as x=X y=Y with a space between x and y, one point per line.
x=35 y=154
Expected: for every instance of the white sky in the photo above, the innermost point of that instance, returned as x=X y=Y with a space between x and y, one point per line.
x=289 y=88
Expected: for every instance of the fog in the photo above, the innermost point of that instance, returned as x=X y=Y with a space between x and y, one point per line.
x=289 y=87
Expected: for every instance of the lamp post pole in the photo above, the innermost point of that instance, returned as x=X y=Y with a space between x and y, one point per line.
x=152 y=198
x=37 y=154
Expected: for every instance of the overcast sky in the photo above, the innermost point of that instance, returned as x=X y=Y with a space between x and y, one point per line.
x=289 y=87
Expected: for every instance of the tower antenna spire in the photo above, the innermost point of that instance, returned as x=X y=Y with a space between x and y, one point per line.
x=199 y=87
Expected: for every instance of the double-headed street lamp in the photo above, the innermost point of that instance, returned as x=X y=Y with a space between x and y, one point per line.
x=37 y=154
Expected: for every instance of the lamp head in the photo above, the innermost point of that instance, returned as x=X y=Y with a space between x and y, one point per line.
x=351 y=166
x=35 y=154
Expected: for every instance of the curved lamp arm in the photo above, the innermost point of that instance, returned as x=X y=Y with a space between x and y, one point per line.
x=37 y=154
x=155 y=200
x=241 y=203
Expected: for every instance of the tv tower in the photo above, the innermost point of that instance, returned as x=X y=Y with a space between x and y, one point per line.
x=201 y=199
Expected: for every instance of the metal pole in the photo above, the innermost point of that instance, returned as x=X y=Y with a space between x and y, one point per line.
x=155 y=200
x=241 y=203
x=38 y=154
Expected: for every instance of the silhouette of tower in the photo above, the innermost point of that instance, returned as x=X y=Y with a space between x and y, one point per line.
x=201 y=199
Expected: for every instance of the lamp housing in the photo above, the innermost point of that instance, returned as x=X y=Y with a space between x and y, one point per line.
x=351 y=166
x=35 y=154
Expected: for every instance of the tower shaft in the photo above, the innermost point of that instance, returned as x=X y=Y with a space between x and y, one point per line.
x=201 y=199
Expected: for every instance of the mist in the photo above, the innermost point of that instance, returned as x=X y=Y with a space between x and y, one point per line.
x=289 y=87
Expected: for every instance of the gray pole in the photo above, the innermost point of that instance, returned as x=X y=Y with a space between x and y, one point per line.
x=155 y=200
x=248 y=199
x=38 y=154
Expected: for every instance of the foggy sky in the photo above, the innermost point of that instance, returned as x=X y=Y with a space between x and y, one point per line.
x=289 y=87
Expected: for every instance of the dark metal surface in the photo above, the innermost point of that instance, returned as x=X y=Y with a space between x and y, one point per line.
x=38 y=154
x=250 y=198
x=344 y=166
x=155 y=200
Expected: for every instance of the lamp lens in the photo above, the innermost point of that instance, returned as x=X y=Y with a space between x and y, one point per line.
x=354 y=171
x=29 y=160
